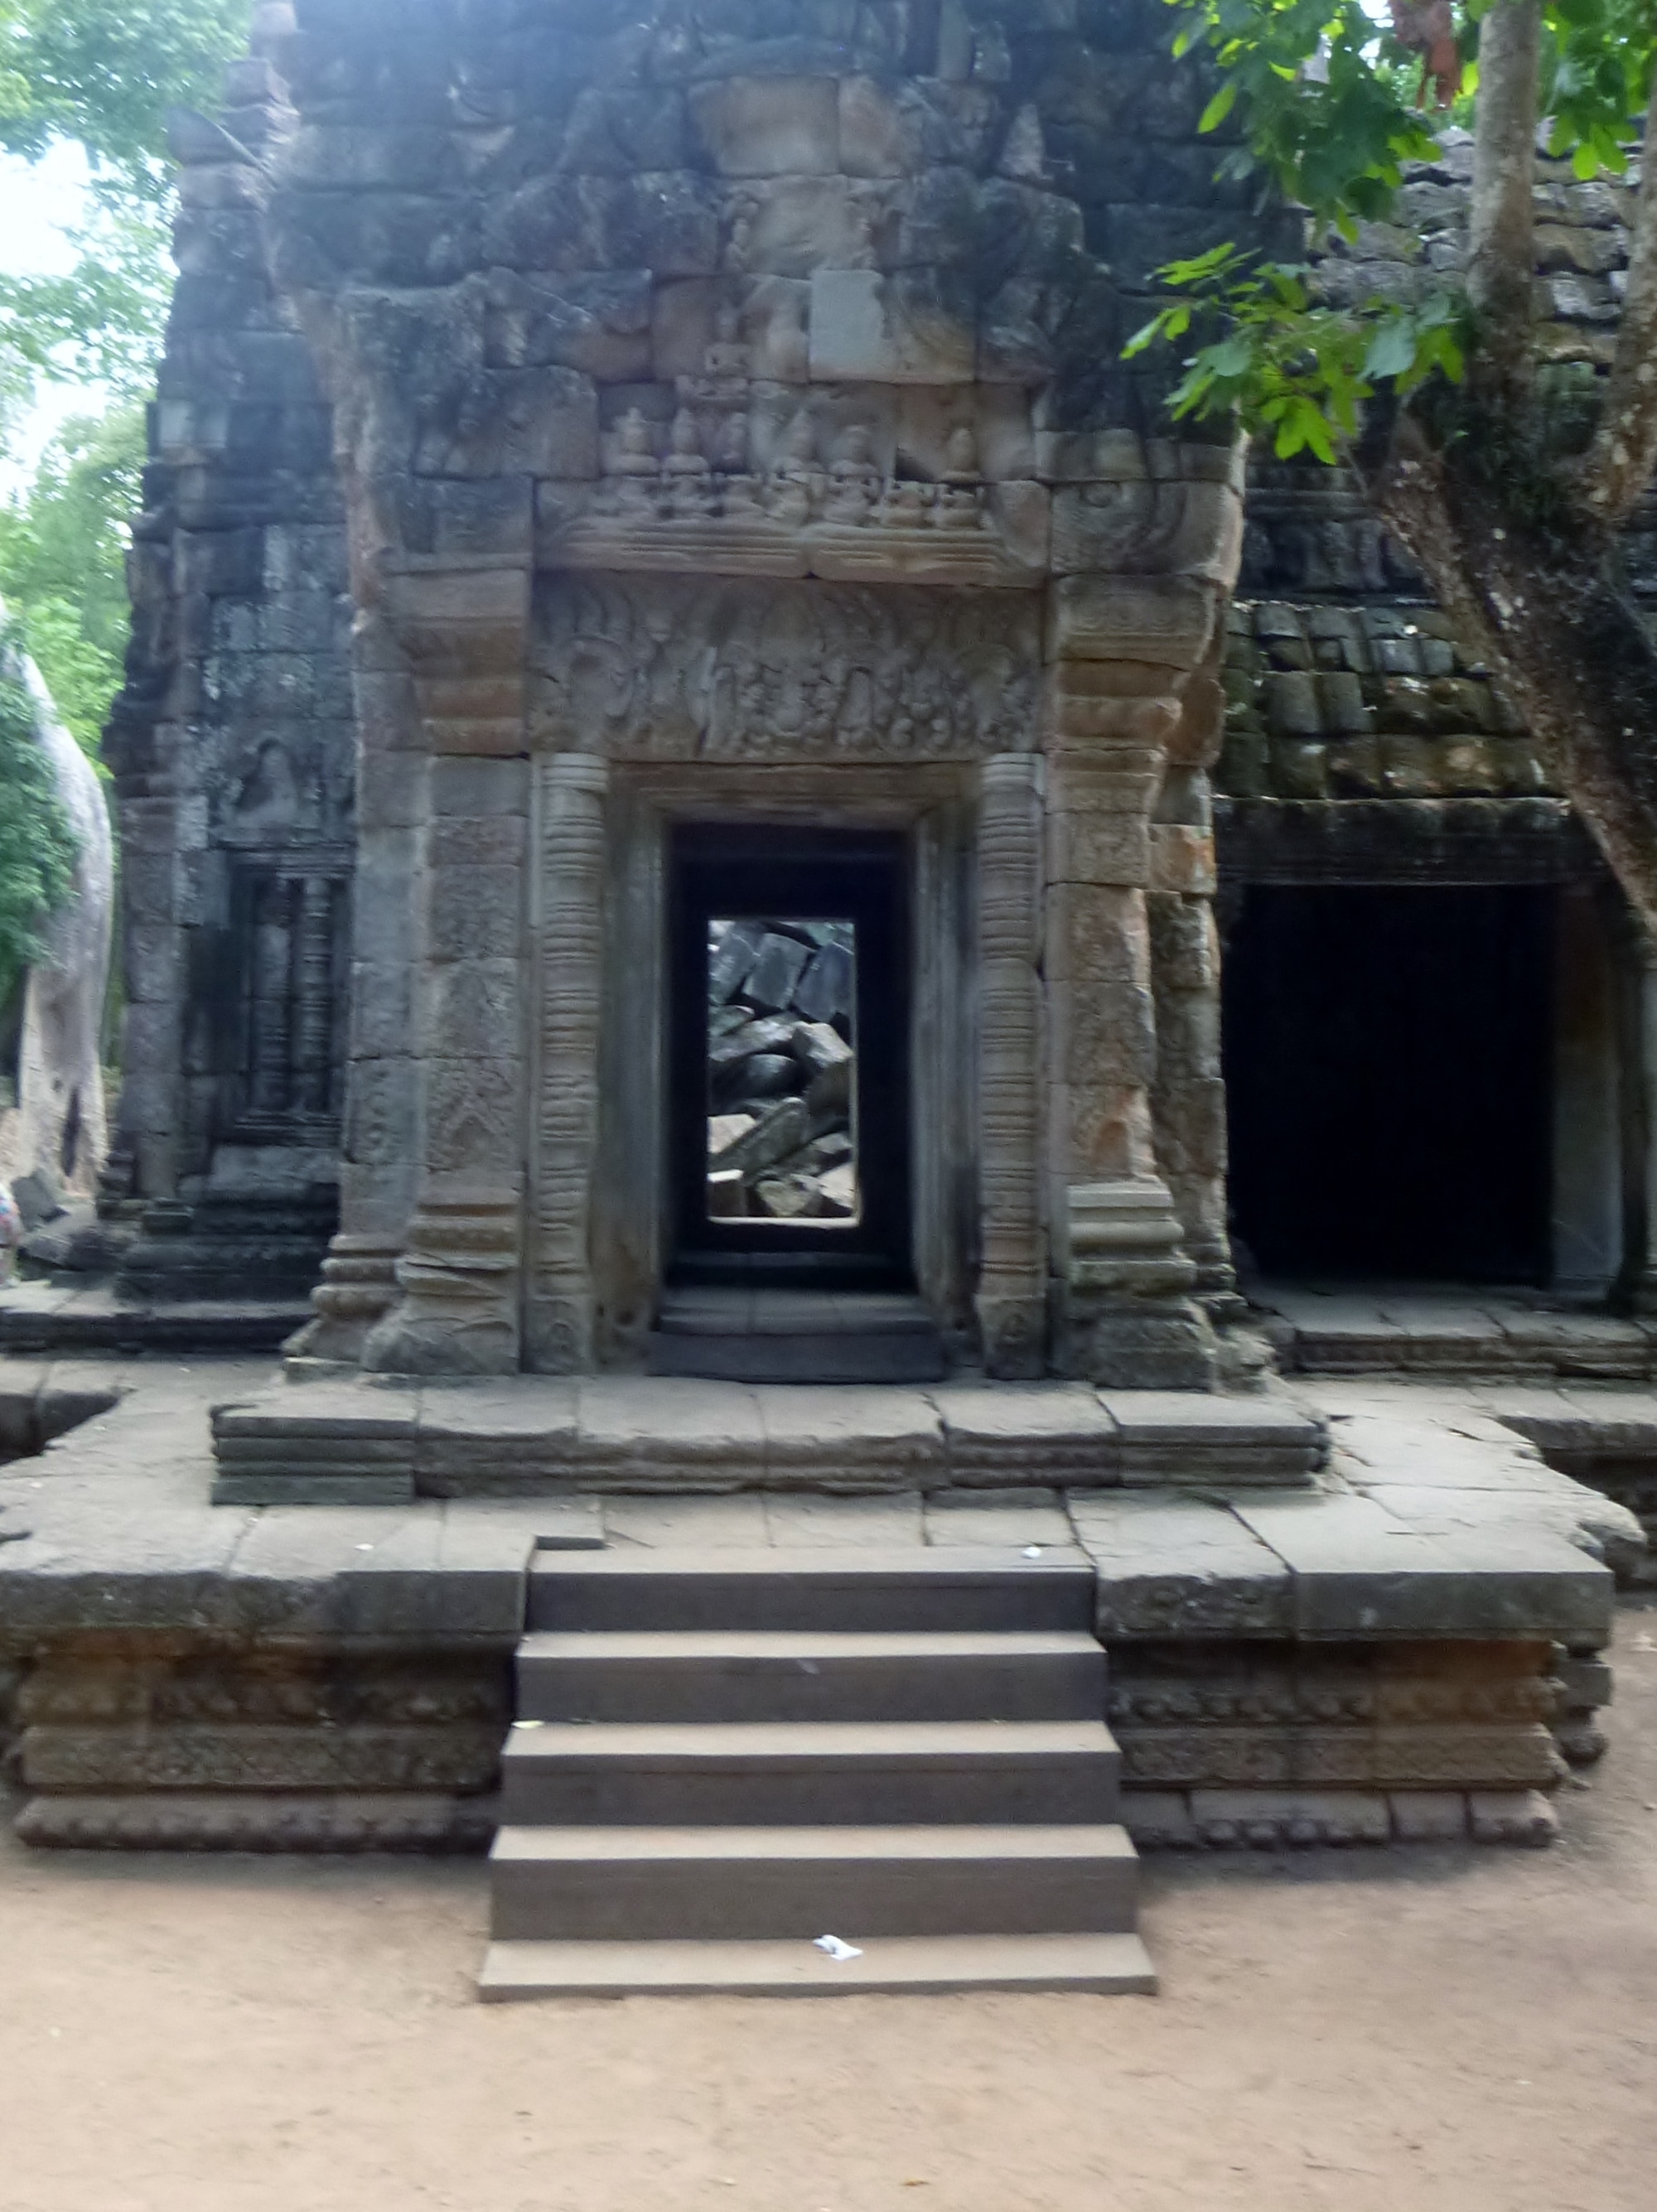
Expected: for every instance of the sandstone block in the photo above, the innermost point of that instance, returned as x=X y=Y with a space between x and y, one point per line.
x=1429 y=1816
x=1164 y=620
x=796 y=226
x=1173 y=1567
x=768 y=126
x=907 y=329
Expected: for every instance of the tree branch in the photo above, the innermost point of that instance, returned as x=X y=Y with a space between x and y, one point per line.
x=1624 y=456
x=1501 y=244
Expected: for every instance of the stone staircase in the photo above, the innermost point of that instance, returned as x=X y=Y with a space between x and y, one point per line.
x=720 y=1757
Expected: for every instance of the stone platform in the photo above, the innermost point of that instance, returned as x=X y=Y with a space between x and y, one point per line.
x=1404 y=1643
x=370 y=1442
x=83 y=1315
x=1438 y=1330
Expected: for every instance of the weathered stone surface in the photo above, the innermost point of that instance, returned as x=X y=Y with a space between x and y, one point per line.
x=1360 y=1571
x=1173 y=1566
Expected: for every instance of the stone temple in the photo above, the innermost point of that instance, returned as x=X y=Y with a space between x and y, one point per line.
x=692 y=735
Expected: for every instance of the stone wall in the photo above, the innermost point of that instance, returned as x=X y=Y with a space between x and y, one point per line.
x=233 y=750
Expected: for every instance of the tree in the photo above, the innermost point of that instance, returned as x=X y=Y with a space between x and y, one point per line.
x=102 y=74
x=63 y=563
x=37 y=846
x=1509 y=490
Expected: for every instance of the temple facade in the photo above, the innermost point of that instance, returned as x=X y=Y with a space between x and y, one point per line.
x=668 y=774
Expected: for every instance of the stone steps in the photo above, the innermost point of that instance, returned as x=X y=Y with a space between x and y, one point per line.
x=973 y=1590
x=915 y=1966
x=797 y=1336
x=783 y=1674
x=720 y=1757
x=767 y=1773
x=659 y=1882
x=374 y=1442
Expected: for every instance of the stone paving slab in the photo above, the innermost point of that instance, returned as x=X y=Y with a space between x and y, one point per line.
x=1358 y=1571
x=1173 y=1567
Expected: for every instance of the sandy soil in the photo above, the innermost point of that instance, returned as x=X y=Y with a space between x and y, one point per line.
x=1383 y=2032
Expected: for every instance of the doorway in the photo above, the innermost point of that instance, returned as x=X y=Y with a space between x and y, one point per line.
x=788 y=1076
x=1388 y=1064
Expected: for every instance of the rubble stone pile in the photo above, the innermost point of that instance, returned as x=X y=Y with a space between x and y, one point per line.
x=780 y=998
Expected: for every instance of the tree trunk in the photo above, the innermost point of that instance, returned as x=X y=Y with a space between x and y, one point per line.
x=1565 y=645
x=1501 y=232
x=1623 y=458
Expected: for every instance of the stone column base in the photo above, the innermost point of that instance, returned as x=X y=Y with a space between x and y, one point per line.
x=459 y=1312
x=358 y=1288
x=1140 y=1344
x=1127 y=1318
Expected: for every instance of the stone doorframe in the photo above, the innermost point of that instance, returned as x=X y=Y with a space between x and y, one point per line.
x=598 y=1210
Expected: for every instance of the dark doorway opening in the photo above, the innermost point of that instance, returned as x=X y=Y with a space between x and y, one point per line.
x=1388 y=1064
x=788 y=1085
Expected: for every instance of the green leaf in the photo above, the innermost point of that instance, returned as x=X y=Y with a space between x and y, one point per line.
x=1219 y=107
x=1392 y=350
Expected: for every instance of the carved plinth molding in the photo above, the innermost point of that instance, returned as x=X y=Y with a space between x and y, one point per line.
x=358 y=1288
x=458 y=1276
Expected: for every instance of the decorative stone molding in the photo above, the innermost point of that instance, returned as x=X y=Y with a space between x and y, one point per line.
x=782 y=672
x=1011 y=1300
x=570 y=934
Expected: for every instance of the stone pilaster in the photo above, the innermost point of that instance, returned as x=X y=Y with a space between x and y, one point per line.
x=1011 y=1292
x=1188 y=1094
x=569 y=932
x=1122 y=647
x=459 y=1273
x=151 y=1112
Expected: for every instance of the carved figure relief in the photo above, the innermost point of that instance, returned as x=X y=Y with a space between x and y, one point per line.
x=688 y=671
x=691 y=497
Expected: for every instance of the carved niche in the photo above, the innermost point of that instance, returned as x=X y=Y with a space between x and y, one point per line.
x=680 y=671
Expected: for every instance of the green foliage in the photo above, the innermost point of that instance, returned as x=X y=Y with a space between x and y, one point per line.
x=1323 y=122
x=103 y=74
x=103 y=319
x=37 y=844
x=1324 y=96
x=1597 y=63
x=63 y=563
x=1287 y=365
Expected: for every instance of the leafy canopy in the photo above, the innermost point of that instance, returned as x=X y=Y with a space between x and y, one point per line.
x=102 y=74
x=1323 y=99
x=63 y=563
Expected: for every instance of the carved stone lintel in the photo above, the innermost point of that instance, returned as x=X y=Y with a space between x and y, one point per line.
x=682 y=669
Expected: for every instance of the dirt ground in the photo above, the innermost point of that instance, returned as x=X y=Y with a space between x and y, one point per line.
x=1378 y=2031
